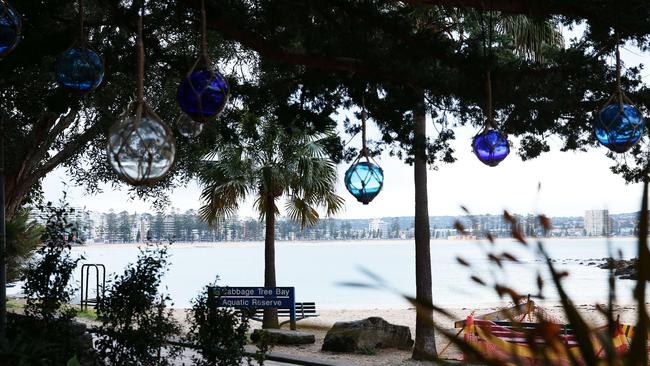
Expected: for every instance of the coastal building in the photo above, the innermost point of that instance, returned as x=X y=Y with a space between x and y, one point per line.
x=597 y=223
x=169 y=225
x=378 y=228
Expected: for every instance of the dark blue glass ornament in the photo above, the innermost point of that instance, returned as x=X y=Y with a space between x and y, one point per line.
x=364 y=181
x=10 y=26
x=80 y=69
x=619 y=128
x=491 y=147
x=203 y=94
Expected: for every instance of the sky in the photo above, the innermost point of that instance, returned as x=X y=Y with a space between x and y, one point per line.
x=571 y=182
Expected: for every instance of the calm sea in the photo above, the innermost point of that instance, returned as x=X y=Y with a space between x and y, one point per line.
x=317 y=269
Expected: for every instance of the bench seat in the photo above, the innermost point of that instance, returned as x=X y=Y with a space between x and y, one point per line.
x=303 y=310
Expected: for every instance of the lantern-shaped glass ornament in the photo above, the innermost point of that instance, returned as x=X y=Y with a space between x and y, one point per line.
x=203 y=93
x=619 y=126
x=364 y=181
x=10 y=27
x=141 y=151
x=187 y=127
x=80 y=69
x=491 y=147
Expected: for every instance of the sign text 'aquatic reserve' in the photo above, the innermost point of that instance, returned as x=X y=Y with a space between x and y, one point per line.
x=255 y=297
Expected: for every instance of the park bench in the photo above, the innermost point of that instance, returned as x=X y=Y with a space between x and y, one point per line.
x=304 y=310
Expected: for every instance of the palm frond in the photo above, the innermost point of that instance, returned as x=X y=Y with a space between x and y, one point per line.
x=299 y=210
x=530 y=36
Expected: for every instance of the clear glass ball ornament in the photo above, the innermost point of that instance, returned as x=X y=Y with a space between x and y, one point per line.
x=141 y=151
x=187 y=127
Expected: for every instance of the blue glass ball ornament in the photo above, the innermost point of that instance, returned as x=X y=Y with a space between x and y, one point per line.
x=203 y=94
x=619 y=129
x=80 y=69
x=364 y=181
x=491 y=147
x=10 y=26
x=141 y=152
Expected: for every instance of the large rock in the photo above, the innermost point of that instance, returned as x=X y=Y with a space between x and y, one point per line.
x=283 y=336
x=367 y=334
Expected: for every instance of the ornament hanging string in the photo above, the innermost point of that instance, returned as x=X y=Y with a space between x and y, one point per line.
x=82 y=34
x=140 y=84
x=619 y=89
x=204 y=34
x=488 y=75
x=619 y=95
x=364 y=147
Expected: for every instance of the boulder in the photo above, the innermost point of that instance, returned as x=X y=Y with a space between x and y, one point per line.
x=367 y=334
x=283 y=336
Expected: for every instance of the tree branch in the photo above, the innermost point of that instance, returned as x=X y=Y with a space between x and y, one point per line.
x=275 y=52
x=41 y=147
x=67 y=151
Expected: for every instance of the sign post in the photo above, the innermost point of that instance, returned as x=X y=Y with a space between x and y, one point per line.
x=256 y=298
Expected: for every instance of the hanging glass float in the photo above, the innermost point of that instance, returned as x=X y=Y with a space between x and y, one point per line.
x=80 y=69
x=10 y=28
x=203 y=92
x=619 y=125
x=491 y=146
x=187 y=127
x=141 y=150
x=364 y=180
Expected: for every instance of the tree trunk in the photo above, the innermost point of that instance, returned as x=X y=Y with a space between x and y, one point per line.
x=425 y=343
x=270 y=315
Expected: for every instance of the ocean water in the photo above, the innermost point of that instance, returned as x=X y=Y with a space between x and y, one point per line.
x=318 y=269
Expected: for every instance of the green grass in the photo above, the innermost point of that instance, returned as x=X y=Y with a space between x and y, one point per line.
x=13 y=304
x=19 y=304
x=88 y=313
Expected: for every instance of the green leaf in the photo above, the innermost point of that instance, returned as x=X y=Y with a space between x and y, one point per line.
x=74 y=361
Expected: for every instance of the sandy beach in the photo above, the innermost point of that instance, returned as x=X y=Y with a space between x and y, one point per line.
x=390 y=357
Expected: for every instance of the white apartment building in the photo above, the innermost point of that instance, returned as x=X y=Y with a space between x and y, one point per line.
x=379 y=227
x=597 y=223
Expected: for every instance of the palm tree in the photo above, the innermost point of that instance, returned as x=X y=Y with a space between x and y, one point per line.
x=23 y=236
x=269 y=161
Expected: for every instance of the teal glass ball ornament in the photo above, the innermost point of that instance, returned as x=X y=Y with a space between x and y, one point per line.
x=80 y=69
x=491 y=147
x=364 y=180
x=619 y=127
x=10 y=28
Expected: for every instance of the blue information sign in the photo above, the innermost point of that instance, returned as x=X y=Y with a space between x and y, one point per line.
x=256 y=298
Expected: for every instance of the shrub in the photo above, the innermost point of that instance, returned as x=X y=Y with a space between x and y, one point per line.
x=219 y=333
x=46 y=334
x=47 y=277
x=136 y=322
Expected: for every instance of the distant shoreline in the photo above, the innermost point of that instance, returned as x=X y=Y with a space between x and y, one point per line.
x=368 y=242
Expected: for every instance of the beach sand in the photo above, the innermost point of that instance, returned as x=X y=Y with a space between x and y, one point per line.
x=392 y=357
x=389 y=357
